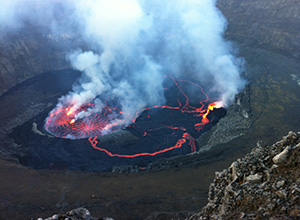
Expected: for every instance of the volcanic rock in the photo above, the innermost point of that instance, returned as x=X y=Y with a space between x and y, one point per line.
x=167 y=215
x=282 y=158
x=263 y=184
x=271 y=25
x=236 y=123
x=118 y=138
x=23 y=58
x=75 y=214
x=253 y=178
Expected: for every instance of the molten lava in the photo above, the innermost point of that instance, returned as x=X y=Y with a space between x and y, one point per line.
x=63 y=122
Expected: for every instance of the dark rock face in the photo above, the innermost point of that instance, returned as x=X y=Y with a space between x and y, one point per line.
x=28 y=100
x=260 y=23
x=263 y=184
x=30 y=53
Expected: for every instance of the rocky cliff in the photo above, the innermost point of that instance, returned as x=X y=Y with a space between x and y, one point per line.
x=263 y=184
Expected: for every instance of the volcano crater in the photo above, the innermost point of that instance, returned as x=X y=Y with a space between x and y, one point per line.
x=154 y=132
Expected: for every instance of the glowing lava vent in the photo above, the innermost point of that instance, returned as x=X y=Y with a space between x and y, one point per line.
x=64 y=123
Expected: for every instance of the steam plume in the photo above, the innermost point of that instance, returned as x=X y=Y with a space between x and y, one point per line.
x=136 y=42
x=140 y=41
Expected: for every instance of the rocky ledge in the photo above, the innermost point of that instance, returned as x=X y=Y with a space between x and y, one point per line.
x=265 y=184
x=75 y=214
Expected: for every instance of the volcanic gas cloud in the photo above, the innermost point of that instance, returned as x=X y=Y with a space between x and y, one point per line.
x=134 y=44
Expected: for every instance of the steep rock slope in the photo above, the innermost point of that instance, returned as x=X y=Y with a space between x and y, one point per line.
x=272 y=25
x=29 y=53
x=263 y=184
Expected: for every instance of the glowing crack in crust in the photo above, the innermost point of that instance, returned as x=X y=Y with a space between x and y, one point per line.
x=62 y=122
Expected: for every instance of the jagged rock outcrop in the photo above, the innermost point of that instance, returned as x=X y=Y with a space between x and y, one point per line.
x=263 y=184
x=75 y=214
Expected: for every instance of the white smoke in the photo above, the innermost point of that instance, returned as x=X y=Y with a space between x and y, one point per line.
x=136 y=42
x=16 y=14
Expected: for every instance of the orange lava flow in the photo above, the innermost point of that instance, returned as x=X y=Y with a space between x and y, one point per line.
x=94 y=143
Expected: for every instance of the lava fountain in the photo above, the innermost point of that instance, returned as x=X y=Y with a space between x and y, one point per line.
x=63 y=122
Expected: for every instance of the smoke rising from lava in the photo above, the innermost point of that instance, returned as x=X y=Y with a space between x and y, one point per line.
x=140 y=41
x=135 y=43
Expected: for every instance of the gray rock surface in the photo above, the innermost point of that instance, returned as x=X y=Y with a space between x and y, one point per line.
x=23 y=56
x=272 y=25
x=75 y=214
x=265 y=184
